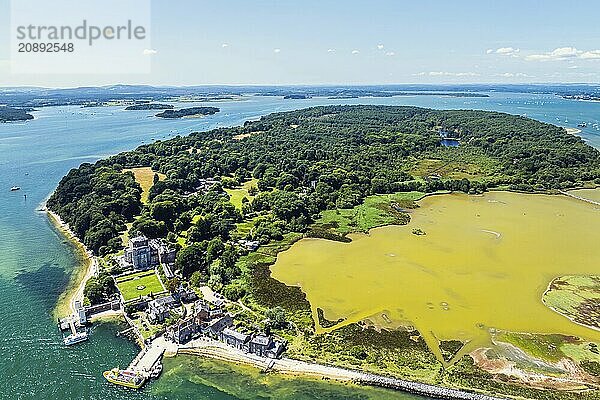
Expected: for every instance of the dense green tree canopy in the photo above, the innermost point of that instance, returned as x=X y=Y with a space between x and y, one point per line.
x=307 y=161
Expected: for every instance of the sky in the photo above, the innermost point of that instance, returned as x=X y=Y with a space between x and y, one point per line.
x=352 y=42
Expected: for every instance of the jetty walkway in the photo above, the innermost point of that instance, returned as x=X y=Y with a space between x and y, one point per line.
x=596 y=203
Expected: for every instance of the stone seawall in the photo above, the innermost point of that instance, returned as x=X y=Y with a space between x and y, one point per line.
x=421 y=388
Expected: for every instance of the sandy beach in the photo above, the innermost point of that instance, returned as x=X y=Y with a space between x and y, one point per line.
x=89 y=267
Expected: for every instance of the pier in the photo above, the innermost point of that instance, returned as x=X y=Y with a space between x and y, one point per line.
x=149 y=357
x=596 y=203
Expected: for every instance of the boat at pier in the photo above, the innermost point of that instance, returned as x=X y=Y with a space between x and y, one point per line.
x=75 y=338
x=127 y=378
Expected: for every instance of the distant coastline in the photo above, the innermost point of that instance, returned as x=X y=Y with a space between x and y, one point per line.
x=149 y=106
x=11 y=114
x=188 y=112
x=581 y=97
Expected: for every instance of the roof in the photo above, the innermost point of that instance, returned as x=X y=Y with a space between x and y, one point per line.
x=165 y=301
x=242 y=337
x=138 y=239
x=261 y=339
x=225 y=318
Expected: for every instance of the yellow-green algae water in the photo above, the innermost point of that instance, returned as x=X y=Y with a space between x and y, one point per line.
x=190 y=377
x=483 y=263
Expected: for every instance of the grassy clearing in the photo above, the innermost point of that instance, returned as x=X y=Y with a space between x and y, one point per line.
x=452 y=164
x=245 y=227
x=375 y=211
x=236 y=195
x=147 y=281
x=543 y=347
x=145 y=177
x=399 y=353
x=582 y=351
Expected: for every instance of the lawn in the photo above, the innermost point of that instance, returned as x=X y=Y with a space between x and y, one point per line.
x=145 y=177
x=236 y=195
x=139 y=284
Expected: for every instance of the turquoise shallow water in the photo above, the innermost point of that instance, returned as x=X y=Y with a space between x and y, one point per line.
x=36 y=262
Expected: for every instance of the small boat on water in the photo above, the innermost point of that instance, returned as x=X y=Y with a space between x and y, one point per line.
x=14 y=188
x=582 y=125
x=75 y=338
x=127 y=378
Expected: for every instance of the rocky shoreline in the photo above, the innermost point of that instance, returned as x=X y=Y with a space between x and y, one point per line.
x=438 y=392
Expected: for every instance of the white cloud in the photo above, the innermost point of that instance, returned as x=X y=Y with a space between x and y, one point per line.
x=225 y=45
x=331 y=50
x=590 y=55
x=390 y=54
x=564 y=53
x=276 y=51
x=560 y=53
x=444 y=73
x=514 y=75
x=504 y=51
x=380 y=46
x=149 y=52
x=355 y=52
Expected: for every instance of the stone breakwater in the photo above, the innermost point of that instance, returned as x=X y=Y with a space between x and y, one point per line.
x=218 y=350
x=421 y=388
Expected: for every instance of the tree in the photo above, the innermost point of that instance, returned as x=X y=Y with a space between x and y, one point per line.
x=165 y=211
x=215 y=282
x=191 y=259
x=214 y=249
x=172 y=284
x=198 y=278
x=99 y=289
x=277 y=318
x=234 y=291
x=149 y=227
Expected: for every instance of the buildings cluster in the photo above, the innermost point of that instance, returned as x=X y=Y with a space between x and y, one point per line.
x=206 y=320
x=216 y=324
x=142 y=253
